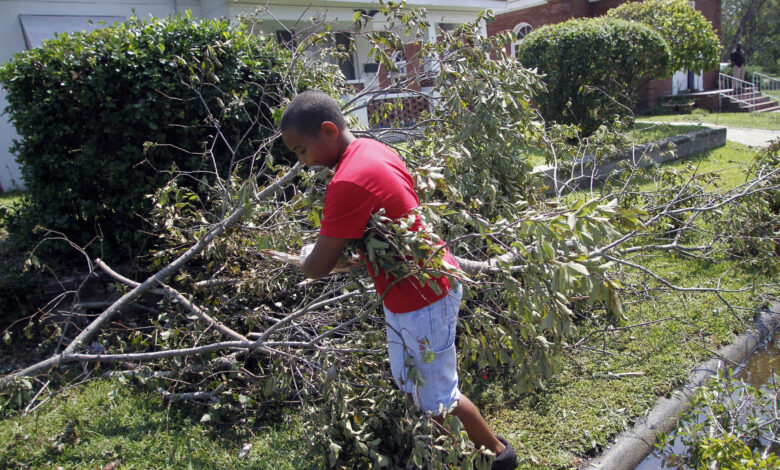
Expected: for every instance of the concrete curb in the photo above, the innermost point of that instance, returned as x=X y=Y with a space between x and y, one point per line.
x=632 y=446
x=583 y=172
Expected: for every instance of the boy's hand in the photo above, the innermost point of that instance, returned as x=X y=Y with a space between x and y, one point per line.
x=326 y=254
x=335 y=265
x=345 y=265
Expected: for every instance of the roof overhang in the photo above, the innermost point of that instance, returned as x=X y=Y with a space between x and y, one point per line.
x=474 y=5
x=515 y=5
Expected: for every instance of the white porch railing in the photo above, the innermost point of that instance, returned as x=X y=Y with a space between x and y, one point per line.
x=737 y=90
x=767 y=84
x=760 y=95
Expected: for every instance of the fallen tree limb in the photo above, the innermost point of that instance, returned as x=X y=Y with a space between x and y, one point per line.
x=68 y=355
x=189 y=396
x=173 y=293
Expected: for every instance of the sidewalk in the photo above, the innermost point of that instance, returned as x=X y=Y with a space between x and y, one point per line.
x=752 y=137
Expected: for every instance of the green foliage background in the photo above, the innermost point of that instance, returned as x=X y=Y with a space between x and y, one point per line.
x=756 y=24
x=592 y=67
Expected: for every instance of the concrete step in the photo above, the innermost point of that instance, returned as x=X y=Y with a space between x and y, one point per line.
x=746 y=89
x=756 y=101
x=761 y=105
x=748 y=101
x=744 y=96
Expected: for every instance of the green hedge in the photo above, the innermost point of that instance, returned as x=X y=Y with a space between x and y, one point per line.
x=84 y=105
x=592 y=68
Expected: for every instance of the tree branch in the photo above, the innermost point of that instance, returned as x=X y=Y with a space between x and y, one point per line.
x=68 y=354
x=171 y=292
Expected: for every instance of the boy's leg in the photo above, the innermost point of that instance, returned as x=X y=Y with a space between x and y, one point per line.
x=478 y=430
x=432 y=329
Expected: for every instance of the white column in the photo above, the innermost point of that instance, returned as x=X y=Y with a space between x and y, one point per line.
x=483 y=28
x=432 y=32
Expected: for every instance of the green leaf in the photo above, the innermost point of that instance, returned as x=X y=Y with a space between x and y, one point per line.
x=578 y=268
x=333 y=453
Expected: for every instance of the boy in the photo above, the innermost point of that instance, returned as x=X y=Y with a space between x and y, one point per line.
x=370 y=176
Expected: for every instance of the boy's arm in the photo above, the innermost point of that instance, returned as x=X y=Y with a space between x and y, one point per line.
x=324 y=257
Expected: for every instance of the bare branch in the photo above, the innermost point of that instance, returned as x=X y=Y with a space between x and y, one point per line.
x=68 y=354
x=171 y=292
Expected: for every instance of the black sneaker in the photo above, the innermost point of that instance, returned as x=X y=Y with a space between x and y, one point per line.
x=506 y=460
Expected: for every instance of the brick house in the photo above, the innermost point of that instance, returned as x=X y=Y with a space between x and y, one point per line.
x=524 y=19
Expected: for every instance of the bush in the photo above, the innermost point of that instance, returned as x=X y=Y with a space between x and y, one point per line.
x=738 y=431
x=690 y=37
x=592 y=68
x=21 y=285
x=84 y=105
x=21 y=279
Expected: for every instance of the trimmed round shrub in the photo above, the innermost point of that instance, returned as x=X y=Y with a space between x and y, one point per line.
x=87 y=105
x=592 y=68
x=693 y=43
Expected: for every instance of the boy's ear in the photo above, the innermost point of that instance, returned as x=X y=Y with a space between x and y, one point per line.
x=329 y=128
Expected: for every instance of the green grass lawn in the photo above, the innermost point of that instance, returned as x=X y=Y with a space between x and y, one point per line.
x=770 y=121
x=728 y=162
x=598 y=392
x=645 y=132
x=106 y=422
x=10 y=198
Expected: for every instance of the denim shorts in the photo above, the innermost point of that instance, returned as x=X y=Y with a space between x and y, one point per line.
x=421 y=346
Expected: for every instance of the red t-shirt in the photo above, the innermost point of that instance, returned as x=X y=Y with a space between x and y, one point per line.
x=371 y=176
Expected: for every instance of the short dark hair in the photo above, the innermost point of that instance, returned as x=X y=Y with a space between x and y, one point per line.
x=308 y=110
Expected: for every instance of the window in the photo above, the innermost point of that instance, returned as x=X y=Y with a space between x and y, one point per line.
x=346 y=62
x=521 y=31
x=286 y=37
x=447 y=26
x=400 y=74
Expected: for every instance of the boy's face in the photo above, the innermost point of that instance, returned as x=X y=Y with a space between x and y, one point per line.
x=320 y=150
